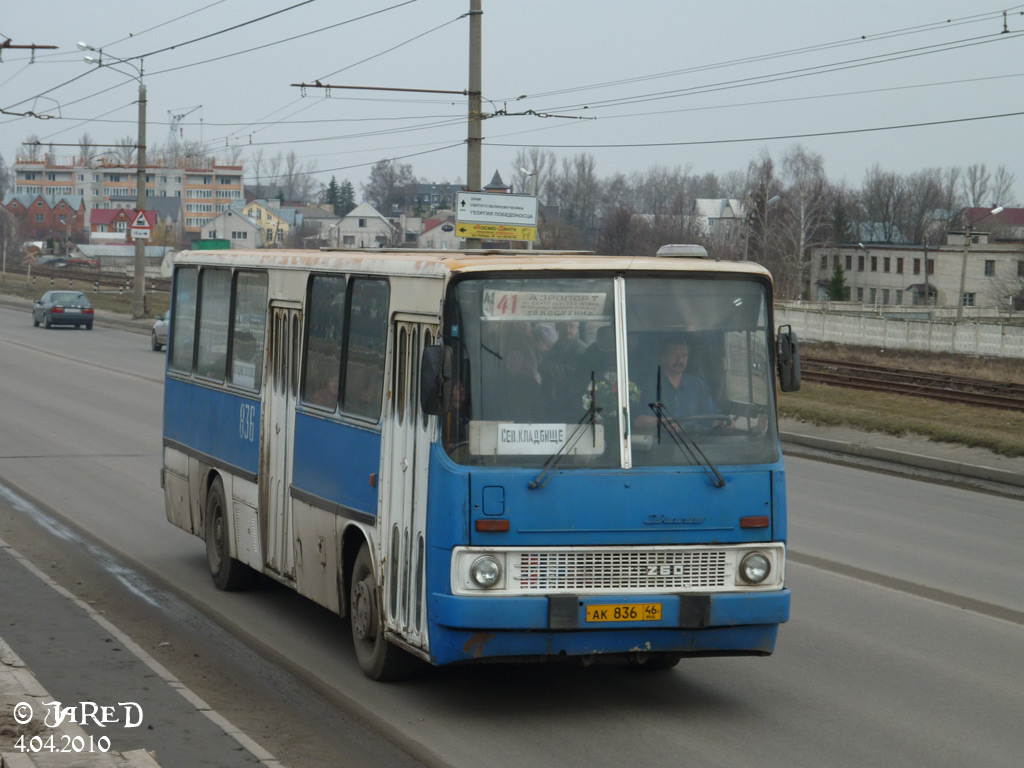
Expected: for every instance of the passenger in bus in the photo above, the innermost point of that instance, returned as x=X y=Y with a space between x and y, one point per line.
x=569 y=346
x=599 y=358
x=683 y=394
x=521 y=382
x=544 y=338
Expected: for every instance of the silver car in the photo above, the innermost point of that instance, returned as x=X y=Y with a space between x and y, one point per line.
x=63 y=308
x=158 y=336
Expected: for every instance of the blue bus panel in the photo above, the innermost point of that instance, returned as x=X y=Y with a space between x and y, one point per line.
x=335 y=461
x=221 y=425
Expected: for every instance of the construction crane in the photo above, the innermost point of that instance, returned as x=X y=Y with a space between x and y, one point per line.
x=174 y=118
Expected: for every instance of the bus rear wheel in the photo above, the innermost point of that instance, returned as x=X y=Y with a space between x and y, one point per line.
x=378 y=658
x=227 y=573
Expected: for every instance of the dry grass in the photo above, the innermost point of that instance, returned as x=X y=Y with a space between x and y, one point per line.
x=992 y=368
x=997 y=430
x=156 y=303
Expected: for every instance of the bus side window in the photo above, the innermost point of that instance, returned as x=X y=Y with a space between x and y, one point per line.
x=366 y=346
x=214 y=314
x=249 y=329
x=325 y=320
x=183 y=323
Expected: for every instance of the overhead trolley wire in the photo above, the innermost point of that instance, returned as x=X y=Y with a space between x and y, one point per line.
x=816 y=134
x=860 y=39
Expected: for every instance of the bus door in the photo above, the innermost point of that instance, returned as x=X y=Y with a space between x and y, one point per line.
x=405 y=457
x=279 y=399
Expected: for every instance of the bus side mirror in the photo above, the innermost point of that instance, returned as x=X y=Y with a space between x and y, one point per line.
x=436 y=379
x=789 y=359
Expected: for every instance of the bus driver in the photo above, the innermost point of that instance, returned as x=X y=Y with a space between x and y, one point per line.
x=683 y=394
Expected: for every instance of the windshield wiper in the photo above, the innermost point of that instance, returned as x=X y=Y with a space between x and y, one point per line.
x=587 y=419
x=684 y=442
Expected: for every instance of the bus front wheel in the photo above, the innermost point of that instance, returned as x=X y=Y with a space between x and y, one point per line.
x=228 y=574
x=379 y=659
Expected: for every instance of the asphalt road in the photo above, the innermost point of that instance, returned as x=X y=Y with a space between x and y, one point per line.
x=906 y=646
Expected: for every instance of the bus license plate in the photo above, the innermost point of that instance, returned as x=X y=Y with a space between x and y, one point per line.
x=630 y=612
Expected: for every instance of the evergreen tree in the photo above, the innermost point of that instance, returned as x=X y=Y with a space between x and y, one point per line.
x=842 y=229
x=346 y=198
x=332 y=195
x=837 y=285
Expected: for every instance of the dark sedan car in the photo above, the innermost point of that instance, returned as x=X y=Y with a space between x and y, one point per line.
x=63 y=308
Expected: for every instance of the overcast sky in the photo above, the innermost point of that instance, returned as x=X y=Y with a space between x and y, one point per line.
x=705 y=86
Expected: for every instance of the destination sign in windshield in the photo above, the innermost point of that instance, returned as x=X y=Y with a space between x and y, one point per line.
x=543 y=305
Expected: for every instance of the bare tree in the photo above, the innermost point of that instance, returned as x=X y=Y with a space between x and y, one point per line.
x=976 y=185
x=31 y=149
x=10 y=237
x=297 y=179
x=924 y=198
x=882 y=198
x=539 y=166
x=807 y=200
x=256 y=168
x=707 y=186
x=659 y=191
x=86 y=149
x=575 y=190
x=1002 y=187
x=5 y=177
x=124 y=150
x=617 y=231
x=273 y=167
x=952 y=200
x=733 y=184
x=388 y=186
x=234 y=154
x=761 y=239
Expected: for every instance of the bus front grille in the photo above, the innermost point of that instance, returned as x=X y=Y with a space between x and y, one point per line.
x=617 y=570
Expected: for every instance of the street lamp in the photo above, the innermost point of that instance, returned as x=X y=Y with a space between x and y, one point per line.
x=746 y=235
x=139 y=296
x=968 y=234
x=532 y=175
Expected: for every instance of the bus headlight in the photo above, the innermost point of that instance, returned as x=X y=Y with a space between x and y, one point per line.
x=755 y=567
x=485 y=571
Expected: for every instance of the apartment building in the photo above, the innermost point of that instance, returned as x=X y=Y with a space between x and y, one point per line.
x=202 y=187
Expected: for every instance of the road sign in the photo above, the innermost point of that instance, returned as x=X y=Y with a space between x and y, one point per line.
x=140 y=227
x=495 y=231
x=486 y=208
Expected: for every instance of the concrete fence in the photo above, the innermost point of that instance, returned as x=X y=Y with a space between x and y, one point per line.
x=985 y=338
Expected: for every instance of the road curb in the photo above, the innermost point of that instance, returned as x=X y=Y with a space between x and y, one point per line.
x=917 y=461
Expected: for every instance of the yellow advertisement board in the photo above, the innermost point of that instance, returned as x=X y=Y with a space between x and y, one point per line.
x=495 y=231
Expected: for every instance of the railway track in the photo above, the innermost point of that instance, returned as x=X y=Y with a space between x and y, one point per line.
x=934 y=386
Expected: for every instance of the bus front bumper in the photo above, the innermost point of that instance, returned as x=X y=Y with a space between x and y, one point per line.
x=464 y=628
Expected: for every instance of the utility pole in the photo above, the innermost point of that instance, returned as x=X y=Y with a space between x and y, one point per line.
x=475 y=138
x=139 y=297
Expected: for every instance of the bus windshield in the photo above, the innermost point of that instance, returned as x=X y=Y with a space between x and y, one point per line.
x=543 y=368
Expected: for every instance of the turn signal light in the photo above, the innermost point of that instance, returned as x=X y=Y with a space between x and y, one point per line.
x=492 y=526
x=755 y=521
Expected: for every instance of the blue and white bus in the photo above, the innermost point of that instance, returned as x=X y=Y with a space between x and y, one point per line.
x=476 y=456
